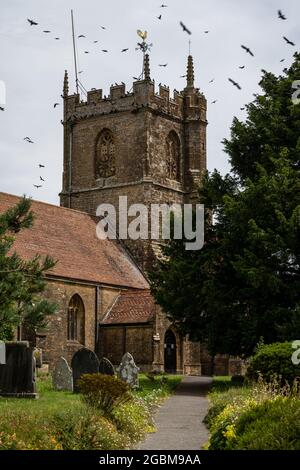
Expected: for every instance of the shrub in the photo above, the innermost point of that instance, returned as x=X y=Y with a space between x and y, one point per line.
x=271 y=425
x=251 y=417
x=274 y=360
x=104 y=392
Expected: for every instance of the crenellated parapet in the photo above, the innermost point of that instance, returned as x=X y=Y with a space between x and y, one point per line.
x=187 y=104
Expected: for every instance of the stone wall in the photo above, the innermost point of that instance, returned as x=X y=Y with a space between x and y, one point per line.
x=54 y=340
x=115 y=341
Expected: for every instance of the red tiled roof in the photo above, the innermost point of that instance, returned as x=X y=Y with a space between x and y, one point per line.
x=69 y=237
x=131 y=307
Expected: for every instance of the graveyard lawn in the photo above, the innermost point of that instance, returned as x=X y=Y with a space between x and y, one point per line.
x=62 y=421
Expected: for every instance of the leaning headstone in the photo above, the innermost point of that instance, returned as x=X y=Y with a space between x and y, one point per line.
x=84 y=361
x=106 y=367
x=62 y=377
x=17 y=376
x=128 y=371
x=2 y=353
x=38 y=355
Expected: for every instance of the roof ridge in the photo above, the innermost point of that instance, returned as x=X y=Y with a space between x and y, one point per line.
x=111 y=307
x=48 y=204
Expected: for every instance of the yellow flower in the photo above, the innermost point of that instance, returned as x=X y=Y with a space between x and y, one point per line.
x=229 y=433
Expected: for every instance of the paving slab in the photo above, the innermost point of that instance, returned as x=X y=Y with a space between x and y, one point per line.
x=179 y=420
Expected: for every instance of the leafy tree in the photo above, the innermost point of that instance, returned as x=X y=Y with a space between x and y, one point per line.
x=21 y=282
x=244 y=284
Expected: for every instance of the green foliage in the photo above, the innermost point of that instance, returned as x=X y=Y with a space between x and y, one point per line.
x=274 y=360
x=244 y=284
x=272 y=125
x=87 y=430
x=259 y=417
x=104 y=392
x=272 y=425
x=134 y=418
x=62 y=421
x=21 y=282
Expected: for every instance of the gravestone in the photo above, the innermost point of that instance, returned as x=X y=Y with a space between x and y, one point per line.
x=38 y=355
x=84 y=361
x=17 y=376
x=2 y=353
x=62 y=377
x=106 y=367
x=128 y=371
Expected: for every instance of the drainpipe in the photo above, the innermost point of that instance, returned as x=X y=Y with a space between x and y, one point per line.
x=97 y=297
x=70 y=164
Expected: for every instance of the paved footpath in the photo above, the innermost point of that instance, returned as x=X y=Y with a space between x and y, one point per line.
x=179 y=420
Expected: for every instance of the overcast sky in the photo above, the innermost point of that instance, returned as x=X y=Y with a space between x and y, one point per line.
x=33 y=64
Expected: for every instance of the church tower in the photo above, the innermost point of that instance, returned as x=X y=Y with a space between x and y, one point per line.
x=145 y=145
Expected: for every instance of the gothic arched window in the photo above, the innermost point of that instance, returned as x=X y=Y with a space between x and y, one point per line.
x=173 y=156
x=105 y=155
x=76 y=319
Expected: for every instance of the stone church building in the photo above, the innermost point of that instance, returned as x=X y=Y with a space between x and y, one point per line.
x=150 y=147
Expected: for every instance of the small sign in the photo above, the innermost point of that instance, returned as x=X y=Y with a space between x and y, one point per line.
x=2 y=353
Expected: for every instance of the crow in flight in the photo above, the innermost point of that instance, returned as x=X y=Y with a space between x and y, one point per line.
x=235 y=83
x=185 y=28
x=281 y=15
x=247 y=50
x=288 y=41
x=31 y=22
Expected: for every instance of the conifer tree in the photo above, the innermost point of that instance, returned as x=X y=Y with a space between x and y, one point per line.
x=21 y=282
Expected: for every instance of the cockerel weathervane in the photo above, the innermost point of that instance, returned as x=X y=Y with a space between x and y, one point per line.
x=143 y=46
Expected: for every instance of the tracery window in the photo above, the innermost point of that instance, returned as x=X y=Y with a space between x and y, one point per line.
x=173 y=156
x=105 y=155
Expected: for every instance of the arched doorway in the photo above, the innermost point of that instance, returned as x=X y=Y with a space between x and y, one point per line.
x=170 y=352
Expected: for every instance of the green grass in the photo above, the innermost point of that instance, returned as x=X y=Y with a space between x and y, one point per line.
x=221 y=383
x=163 y=384
x=61 y=420
x=49 y=400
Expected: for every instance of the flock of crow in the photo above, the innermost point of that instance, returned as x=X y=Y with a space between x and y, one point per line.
x=186 y=30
